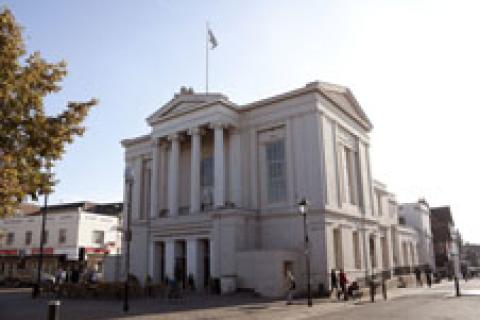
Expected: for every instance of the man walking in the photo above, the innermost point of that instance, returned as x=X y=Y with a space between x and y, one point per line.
x=418 y=277
x=428 y=275
x=343 y=284
x=291 y=286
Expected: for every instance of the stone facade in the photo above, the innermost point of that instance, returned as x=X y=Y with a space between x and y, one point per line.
x=217 y=185
x=417 y=215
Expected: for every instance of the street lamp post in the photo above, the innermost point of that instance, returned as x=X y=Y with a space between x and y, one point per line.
x=303 y=208
x=129 y=179
x=36 y=287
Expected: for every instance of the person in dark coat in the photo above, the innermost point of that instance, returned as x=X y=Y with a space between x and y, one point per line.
x=75 y=277
x=418 y=276
x=428 y=275
x=342 y=277
x=334 y=283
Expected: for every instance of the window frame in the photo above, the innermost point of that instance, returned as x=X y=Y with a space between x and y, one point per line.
x=62 y=236
x=10 y=239
x=275 y=171
x=94 y=237
x=29 y=237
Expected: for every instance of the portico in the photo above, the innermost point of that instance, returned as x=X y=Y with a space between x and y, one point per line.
x=199 y=196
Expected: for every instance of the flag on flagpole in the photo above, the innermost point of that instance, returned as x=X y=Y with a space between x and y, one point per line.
x=211 y=38
x=210 y=44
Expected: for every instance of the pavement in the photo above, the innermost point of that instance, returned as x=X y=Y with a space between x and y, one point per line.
x=422 y=303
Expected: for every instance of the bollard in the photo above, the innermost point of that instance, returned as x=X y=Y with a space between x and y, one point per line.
x=54 y=310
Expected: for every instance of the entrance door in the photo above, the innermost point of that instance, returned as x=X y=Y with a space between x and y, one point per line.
x=180 y=263
x=205 y=247
x=159 y=262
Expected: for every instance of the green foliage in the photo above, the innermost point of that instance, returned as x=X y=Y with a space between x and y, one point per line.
x=30 y=140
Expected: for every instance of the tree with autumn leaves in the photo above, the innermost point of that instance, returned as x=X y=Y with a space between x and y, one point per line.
x=30 y=140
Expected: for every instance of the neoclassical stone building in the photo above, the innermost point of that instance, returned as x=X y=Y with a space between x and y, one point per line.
x=217 y=185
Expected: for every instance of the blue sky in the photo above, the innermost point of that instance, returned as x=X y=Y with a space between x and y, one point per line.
x=413 y=65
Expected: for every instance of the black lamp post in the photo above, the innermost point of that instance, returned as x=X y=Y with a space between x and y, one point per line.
x=36 y=287
x=303 y=208
x=129 y=179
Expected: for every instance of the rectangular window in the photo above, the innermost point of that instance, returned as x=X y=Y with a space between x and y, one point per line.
x=392 y=208
x=98 y=237
x=405 y=254
x=379 y=204
x=28 y=238
x=276 y=171
x=346 y=176
x=62 y=236
x=146 y=189
x=373 y=251
x=356 y=250
x=10 y=238
x=206 y=172
x=206 y=182
x=349 y=163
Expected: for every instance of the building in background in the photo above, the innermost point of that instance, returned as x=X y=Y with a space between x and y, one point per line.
x=417 y=215
x=217 y=185
x=76 y=234
x=471 y=257
x=446 y=241
x=399 y=241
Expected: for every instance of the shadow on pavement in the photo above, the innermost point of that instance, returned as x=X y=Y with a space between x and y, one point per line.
x=18 y=304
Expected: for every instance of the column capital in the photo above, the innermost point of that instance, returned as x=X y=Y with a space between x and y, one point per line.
x=156 y=141
x=233 y=130
x=196 y=131
x=163 y=144
x=217 y=125
x=173 y=137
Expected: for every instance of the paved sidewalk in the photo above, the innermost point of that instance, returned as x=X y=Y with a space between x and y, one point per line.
x=17 y=304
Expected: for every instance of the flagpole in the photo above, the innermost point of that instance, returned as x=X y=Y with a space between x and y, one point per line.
x=206 y=58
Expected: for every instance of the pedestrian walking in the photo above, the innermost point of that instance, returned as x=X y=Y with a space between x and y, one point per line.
x=75 y=277
x=291 y=286
x=418 y=276
x=343 y=284
x=334 y=283
x=428 y=275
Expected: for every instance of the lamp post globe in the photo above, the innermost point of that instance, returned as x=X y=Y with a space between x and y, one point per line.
x=303 y=206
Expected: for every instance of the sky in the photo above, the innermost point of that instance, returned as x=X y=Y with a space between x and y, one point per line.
x=413 y=66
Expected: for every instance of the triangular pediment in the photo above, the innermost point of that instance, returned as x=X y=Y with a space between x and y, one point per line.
x=187 y=101
x=343 y=98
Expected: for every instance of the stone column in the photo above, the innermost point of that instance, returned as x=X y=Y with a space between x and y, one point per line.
x=195 y=170
x=214 y=256
x=170 y=259
x=193 y=260
x=235 y=168
x=154 y=197
x=219 y=166
x=173 y=175
x=151 y=261
x=137 y=196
